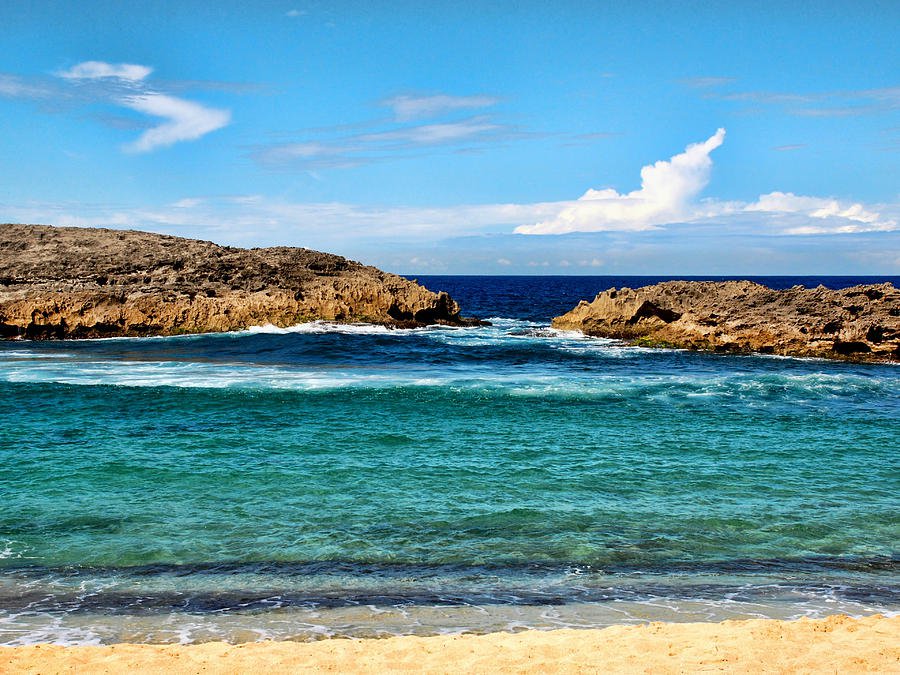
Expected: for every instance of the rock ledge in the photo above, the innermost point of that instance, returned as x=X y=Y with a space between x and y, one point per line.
x=861 y=323
x=67 y=282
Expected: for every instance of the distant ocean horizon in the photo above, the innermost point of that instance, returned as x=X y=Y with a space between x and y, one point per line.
x=552 y=295
x=352 y=480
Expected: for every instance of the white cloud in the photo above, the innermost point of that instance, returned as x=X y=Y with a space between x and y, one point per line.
x=295 y=13
x=366 y=148
x=409 y=107
x=665 y=207
x=839 y=217
x=667 y=187
x=420 y=125
x=187 y=203
x=185 y=120
x=668 y=197
x=123 y=84
x=435 y=134
x=14 y=87
x=707 y=82
x=842 y=103
x=92 y=70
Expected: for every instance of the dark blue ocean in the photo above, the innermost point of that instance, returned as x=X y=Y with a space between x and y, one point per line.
x=324 y=479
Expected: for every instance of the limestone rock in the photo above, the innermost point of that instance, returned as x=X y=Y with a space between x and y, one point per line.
x=860 y=323
x=65 y=282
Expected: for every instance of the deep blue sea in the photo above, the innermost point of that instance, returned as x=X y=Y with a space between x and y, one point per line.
x=358 y=481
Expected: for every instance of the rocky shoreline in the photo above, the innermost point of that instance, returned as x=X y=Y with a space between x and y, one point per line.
x=861 y=323
x=67 y=282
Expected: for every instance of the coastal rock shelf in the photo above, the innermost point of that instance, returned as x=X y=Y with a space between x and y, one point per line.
x=71 y=282
x=861 y=323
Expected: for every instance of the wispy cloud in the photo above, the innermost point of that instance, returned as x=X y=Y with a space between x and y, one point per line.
x=123 y=85
x=771 y=97
x=589 y=138
x=789 y=147
x=184 y=120
x=434 y=134
x=838 y=103
x=409 y=135
x=15 y=87
x=93 y=70
x=706 y=82
x=408 y=107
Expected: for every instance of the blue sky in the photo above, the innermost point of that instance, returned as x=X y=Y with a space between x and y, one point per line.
x=539 y=138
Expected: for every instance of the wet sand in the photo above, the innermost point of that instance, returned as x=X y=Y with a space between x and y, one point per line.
x=836 y=644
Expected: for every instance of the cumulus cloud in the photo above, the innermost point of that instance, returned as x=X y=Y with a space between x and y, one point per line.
x=92 y=70
x=667 y=188
x=668 y=197
x=185 y=120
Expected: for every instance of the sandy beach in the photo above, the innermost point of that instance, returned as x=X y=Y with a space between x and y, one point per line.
x=836 y=644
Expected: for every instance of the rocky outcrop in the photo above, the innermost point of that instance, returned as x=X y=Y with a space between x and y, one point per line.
x=81 y=283
x=860 y=323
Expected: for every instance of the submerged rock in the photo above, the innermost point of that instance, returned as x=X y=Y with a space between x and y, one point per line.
x=860 y=323
x=67 y=282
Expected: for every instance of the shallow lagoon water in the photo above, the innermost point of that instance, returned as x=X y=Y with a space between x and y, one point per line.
x=351 y=480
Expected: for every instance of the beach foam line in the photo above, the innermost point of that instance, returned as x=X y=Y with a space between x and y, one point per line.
x=808 y=597
x=835 y=644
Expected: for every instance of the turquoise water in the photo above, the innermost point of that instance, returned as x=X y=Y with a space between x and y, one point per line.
x=328 y=480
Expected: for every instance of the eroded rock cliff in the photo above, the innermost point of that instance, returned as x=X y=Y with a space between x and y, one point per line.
x=64 y=282
x=860 y=323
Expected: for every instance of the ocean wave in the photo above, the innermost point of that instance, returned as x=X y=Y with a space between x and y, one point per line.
x=513 y=357
x=321 y=327
x=191 y=617
x=755 y=387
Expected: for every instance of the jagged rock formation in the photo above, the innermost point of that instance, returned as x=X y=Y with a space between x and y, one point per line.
x=71 y=282
x=860 y=323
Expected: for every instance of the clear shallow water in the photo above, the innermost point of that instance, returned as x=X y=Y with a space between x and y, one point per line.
x=327 y=480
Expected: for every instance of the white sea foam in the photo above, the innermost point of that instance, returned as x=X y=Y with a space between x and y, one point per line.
x=319 y=327
x=198 y=374
x=28 y=354
x=8 y=551
x=523 y=372
x=299 y=623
